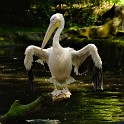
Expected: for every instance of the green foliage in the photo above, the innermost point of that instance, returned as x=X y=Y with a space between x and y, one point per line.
x=33 y=13
x=82 y=17
x=41 y=10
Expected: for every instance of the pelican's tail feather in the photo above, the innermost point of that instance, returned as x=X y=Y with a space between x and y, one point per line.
x=62 y=83
x=70 y=80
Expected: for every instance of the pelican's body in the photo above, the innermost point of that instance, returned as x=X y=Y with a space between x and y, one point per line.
x=60 y=60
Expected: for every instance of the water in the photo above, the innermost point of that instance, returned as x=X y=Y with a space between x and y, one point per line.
x=85 y=105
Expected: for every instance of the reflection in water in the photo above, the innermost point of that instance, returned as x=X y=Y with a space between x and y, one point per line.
x=85 y=105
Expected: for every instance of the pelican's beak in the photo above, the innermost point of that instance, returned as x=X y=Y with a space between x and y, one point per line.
x=50 y=30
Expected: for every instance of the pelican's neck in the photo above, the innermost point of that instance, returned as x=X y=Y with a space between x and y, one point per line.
x=56 y=37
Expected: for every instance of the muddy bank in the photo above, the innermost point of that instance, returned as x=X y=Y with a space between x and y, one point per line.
x=21 y=38
x=69 y=38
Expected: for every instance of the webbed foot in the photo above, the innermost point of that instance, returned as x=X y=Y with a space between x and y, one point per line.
x=66 y=92
x=56 y=92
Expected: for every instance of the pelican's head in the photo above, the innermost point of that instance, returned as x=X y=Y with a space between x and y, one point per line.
x=56 y=21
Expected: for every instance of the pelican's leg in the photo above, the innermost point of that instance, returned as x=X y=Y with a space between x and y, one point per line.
x=56 y=92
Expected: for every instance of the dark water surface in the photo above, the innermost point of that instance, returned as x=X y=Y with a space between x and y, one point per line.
x=85 y=105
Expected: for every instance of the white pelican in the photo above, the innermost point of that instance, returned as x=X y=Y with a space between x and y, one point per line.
x=60 y=60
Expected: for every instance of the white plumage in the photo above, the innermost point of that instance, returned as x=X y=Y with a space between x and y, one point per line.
x=60 y=60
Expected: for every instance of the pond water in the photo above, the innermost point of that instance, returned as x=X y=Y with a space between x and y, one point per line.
x=85 y=106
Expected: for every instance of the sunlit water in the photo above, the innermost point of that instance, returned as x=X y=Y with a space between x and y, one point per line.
x=85 y=106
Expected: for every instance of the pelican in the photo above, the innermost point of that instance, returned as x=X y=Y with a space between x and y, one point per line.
x=61 y=60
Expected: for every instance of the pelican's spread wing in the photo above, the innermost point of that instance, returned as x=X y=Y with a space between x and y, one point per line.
x=90 y=59
x=34 y=54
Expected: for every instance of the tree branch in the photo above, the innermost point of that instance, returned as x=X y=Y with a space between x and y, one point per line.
x=19 y=112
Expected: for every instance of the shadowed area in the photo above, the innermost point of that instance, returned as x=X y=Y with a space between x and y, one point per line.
x=84 y=106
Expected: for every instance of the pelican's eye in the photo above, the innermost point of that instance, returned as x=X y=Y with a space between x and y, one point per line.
x=53 y=20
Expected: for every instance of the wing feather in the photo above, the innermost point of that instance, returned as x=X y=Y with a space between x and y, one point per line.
x=34 y=54
x=88 y=59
